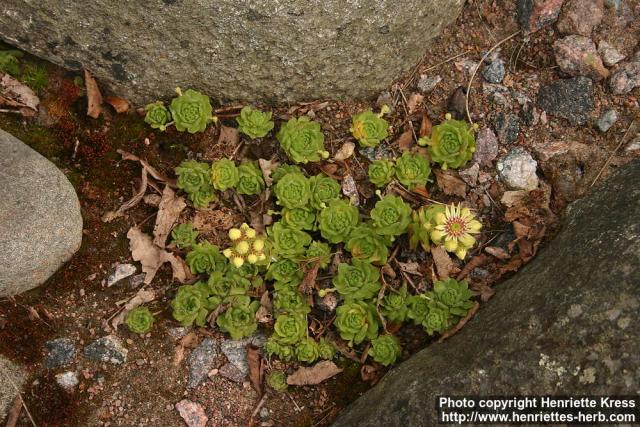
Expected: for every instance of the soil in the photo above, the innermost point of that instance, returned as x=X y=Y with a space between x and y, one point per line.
x=76 y=303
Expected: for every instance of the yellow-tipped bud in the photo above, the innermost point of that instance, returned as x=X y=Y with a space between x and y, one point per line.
x=322 y=293
x=237 y=262
x=227 y=252
x=250 y=233
x=242 y=247
x=252 y=258
x=262 y=257
x=258 y=245
x=448 y=116
x=235 y=234
x=324 y=154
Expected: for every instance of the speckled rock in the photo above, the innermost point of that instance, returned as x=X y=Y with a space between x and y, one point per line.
x=610 y=55
x=266 y=50
x=494 y=71
x=7 y=389
x=571 y=99
x=606 y=120
x=236 y=350
x=61 y=351
x=107 y=349
x=40 y=219
x=626 y=77
x=486 y=147
x=201 y=361
x=535 y=337
x=518 y=170
x=577 y=56
x=536 y=14
x=581 y=16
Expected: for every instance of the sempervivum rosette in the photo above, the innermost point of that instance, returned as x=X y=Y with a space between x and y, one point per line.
x=302 y=140
x=191 y=111
x=451 y=143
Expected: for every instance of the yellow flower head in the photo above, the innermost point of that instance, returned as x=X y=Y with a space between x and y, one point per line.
x=454 y=229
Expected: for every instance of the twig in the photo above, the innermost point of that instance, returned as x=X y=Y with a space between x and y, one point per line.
x=14 y=412
x=298 y=408
x=406 y=111
x=257 y=409
x=475 y=70
x=622 y=141
x=24 y=405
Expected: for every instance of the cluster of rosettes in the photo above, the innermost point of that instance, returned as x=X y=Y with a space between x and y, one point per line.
x=247 y=246
x=411 y=170
x=451 y=143
x=191 y=111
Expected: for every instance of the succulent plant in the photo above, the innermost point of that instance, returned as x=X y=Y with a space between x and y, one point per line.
x=412 y=170
x=323 y=190
x=454 y=230
x=277 y=380
x=451 y=143
x=369 y=128
x=250 y=180
x=157 y=115
x=385 y=349
x=246 y=246
x=287 y=241
x=239 y=320
x=319 y=252
x=307 y=350
x=190 y=305
x=293 y=190
x=290 y=328
x=193 y=176
x=273 y=347
x=223 y=285
x=366 y=244
x=201 y=198
x=455 y=295
x=381 y=172
x=254 y=123
x=359 y=281
x=423 y=221
x=282 y=170
x=284 y=271
x=326 y=350
x=418 y=307
x=290 y=301
x=438 y=319
x=139 y=320
x=206 y=258
x=183 y=235
x=299 y=218
x=394 y=305
x=191 y=111
x=337 y=220
x=302 y=140
x=356 y=321
x=224 y=174
x=391 y=216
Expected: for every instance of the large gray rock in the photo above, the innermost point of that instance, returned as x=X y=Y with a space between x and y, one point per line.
x=40 y=220
x=267 y=50
x=11 y=377
x=567 y=324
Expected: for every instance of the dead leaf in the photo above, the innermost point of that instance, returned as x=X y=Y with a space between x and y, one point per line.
x=150 y=169
x=263 y=315
x=449 y=183
x=168 y=213
x=254 y=359
x=142 y=297
x=94 y=97
x=513 y=198
x=476 y=261
x=111 y=215
x=309 y=281
x=315 y=374
x=345 y=151
x=414 y=102
x=219 y=219
x=118 y=104
x=14 y=94
x=267 y=167
x=410 y=267
x=152 y=199
x=188 y=341
x=425 y=126
x=152 y=257
x=444 y=266
x=451 y=332
x=330 y=169
x=388 y=271
x=405 y=141
x=350 y=189
x=370 y=374
x=497 y=252
x=229 y=136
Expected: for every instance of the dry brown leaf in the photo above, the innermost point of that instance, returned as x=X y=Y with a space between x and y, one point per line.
x=111 y=215
x=405 y=141
x=142 y=297
x=476 y=261
x=414 y=102
x=263 y=315
x=345 y=151
x=388 y=271
x=308 y=283
x=425 y=126
x=444 y=265
x=410 y=267
x=188 y=341
x=315 y=374
x=118 y=104
x=229 y=136
x=152 y=171
x=513 y=198
x=370 y=374
x=219 y=219
x=168 y=213
x=254 y=359
x=14 y=94
x=497 y=252
x=450 y=184
x=451 y=332
x=152 y=257
x=267 y=167
x=152 y=199
x=94 y=97
x=350 y=189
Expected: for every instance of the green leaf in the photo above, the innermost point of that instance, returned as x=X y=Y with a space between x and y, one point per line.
x=381 y=172
x=360 y=280
x=254 y=123
x=391 y=216
x=385 y=349
x=157 y=115
x=451 y=144
x=206 y=258
x=356 y=321
x=224 y=174
x=250 y=180
x=183 y=235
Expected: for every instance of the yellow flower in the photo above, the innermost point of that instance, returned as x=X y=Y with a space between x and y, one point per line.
x=454 y=229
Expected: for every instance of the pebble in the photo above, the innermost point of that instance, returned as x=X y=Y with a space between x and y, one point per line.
x=606 y=120
x=470 y=174
x=612 y=4
x=328 y=303
x=385 y=98
x=236 y=351
x=571 y=99
x=610 y=55
x=536 y=14
x=427 y=83
x=230 y=372
x=457 y=103
x=486 y=147
x=178 y=332
x=634 y=145
x=137 y=280
x=578 y=56
x=67 y=380
x=377 y=153
x=581 y=16
x=192 y=413
x=264 y=413
x=122 y=271
x=494 y=72
x=627 y=77
x=107 y=349
x=507 y=127
x=517 y=170
x=61 y=351
x=201 y=361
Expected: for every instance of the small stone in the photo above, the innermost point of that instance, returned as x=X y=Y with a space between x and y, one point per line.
x=612 y=4
x=178 y=332
x=494 y=72
x=328 y=303
x=577 y=56
x=107 y=349
x=427 y=83
x=571 y=99
x=518 y=170
x=137 y=280
x=626 y=78
x=61 y=352
x=470 y=174
x=581 y=16
x=264 y=413
x=385 y=98
x=457 y=103
x=201 y=362
x=230 y=372
x=606 y=120
x=486 y=147
x=507 y=127
x=634 y=145
x=192 y=413
x=236 y=351
x=67 y=380
x=536 y=14
x=122 y=271
x=610 y=55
